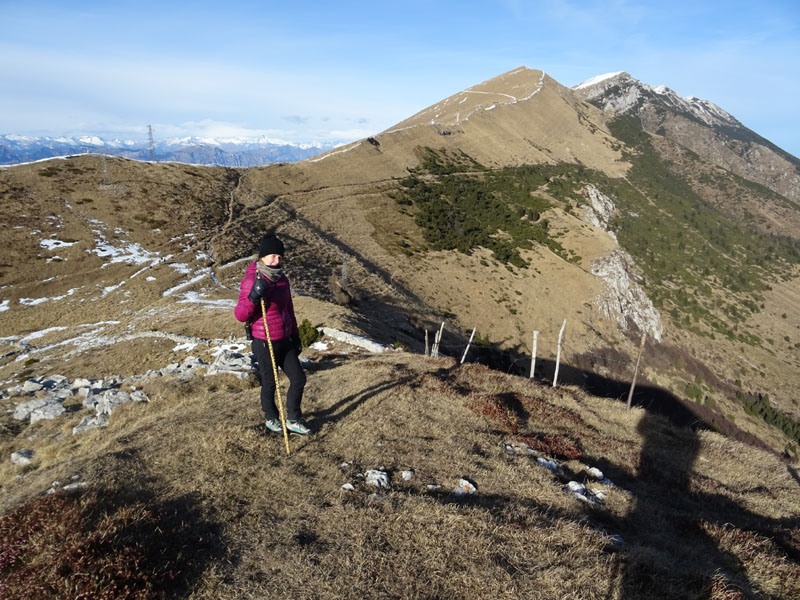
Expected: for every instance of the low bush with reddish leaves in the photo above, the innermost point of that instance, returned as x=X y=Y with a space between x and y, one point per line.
x=100 y=545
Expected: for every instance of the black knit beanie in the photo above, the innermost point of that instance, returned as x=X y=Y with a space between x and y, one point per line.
x=270 y=245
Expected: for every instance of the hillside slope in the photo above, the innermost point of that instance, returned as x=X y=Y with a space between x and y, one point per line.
x=510 y=207
x=186 y=496
x=701 y=126
x=643 y=235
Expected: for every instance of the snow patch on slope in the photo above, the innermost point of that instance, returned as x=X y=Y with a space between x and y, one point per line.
x=596 y=79
x=631 y=93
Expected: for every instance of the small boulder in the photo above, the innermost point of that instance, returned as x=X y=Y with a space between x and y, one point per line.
x=139 y=396
x=47 y=412
x=31 y=386
x=88 y=423
x=53 y=382
x=595 y=472
x=91 y=399
x=80 y=382
x=110 y=400
x=550 y=465
x=378 y=478
x=465 y=487
x=23 y=411
x=22 y=458
x=71 y=487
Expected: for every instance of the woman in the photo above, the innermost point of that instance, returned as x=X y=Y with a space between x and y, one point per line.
x=265 y=280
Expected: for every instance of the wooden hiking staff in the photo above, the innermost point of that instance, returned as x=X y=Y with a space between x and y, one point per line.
x=277 y=383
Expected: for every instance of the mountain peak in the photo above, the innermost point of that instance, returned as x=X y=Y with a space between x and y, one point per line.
x=599 y=79
x=516 y=85
x=621 y=94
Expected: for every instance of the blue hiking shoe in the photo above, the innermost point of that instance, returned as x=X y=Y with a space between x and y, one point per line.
x=274 y=425
x=297 y=427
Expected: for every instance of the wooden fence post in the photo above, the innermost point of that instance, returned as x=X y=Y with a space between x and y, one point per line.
x=463 y=358
x=437 y=341
x=636 y=370
x=533 y=355
x=558 y=354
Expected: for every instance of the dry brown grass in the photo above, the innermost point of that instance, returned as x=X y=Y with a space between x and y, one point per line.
x=701 y=516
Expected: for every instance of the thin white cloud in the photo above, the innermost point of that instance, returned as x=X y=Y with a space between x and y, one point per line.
x=98 y=90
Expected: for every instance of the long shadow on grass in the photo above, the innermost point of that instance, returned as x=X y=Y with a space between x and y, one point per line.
x=348 y=404
x=654 y=399
x=679 y=516
x=129 y=534
x=682 y=518
x=793 y=473
x=664 y=547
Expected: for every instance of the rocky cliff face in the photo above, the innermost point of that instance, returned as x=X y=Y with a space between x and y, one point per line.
x=623 y=299
x=698 y=125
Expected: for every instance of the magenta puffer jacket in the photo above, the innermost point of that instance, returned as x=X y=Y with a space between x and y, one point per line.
x=280 y=310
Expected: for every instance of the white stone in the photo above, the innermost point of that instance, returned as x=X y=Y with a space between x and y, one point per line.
x=60 y=393
x=75 y=486
x=88 y=423
x=616 y=540
x=575 y=487
x=595 y=472
x=348 y=487
x=516 y=448
x=548 y=464
x=23 y=411
x=354 y=340
x=465 y=487
x=47 y=412
x=407 y=475
x=110 y=400
x=139 y=396
x=79 y=383
x=30 y=387
x=91 y=399
x=22 y=458
x=378 y=478
x=55 y=382
x=232 y=363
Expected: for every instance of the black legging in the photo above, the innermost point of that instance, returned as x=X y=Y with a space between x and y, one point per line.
x=286 y=359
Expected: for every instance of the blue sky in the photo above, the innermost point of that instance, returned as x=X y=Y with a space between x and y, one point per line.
x=337 y=71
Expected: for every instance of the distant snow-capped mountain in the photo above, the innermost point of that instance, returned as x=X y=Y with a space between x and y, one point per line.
x=229 y=152
x=699 y=125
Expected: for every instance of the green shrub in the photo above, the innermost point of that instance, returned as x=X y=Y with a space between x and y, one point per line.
x=308 y=333
x=461 y=205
